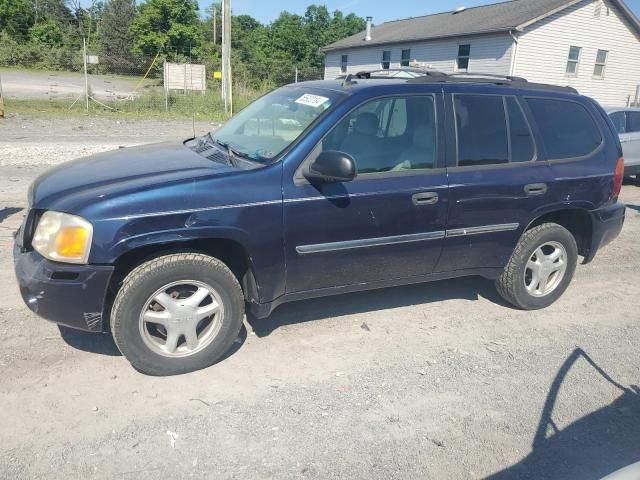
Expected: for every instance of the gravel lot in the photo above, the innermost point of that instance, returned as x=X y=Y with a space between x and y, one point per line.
x=42 y=85
x=439 y=380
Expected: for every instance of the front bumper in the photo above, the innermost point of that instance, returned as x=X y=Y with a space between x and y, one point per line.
x=606 y=224
x=71 y=295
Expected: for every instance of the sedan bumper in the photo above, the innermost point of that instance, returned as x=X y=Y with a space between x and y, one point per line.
x=71 y=295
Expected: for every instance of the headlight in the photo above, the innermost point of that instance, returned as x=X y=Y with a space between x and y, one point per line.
x=63 y=238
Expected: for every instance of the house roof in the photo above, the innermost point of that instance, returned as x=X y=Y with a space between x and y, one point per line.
x=499 y=17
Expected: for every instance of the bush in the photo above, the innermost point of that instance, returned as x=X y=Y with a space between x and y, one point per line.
x=37 y=55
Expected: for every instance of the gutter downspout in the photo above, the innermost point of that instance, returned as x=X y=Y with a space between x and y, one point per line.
x=514 y=53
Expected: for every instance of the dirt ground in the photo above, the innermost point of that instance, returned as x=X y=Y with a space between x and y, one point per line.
x=438 y=381
x=43 y=85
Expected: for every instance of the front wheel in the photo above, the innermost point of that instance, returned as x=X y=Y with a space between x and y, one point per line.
x=177 y=313
x=541 y=267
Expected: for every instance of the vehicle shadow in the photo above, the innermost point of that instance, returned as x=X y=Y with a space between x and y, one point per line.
x=6 y=212
x=103 y=343
x=592 y=447
x=468 y=288
x=633 y=207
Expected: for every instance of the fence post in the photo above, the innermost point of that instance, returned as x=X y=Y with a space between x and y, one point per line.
x=166 y=86
x=296 y=74
x=637 y=96
x=86 y=78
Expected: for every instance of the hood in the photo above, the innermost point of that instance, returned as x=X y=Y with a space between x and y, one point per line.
x=112 y=173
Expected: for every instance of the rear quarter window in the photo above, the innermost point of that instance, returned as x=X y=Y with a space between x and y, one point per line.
x=568 y=130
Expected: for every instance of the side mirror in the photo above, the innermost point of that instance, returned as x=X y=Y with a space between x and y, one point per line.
x=331 y=166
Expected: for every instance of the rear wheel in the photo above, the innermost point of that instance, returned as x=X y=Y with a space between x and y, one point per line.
x=541 y=267
x=177 y=313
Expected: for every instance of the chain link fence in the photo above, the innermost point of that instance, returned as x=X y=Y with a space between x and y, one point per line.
x=133 y=84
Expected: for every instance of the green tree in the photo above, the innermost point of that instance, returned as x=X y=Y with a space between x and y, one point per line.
x=87 y=20
x=116 y=37
x=342 y=27
x=16 y=17
x=48 y=33
x=289 y=40
x=56 y=10
x=167 y=25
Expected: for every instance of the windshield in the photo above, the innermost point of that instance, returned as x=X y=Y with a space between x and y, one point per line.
x=272 y=123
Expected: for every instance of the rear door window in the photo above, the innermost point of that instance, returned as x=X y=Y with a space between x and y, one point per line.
x=634 y=121
x=566 y=127
x=481 y=130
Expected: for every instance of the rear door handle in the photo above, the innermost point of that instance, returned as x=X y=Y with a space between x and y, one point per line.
x=535 y=189
x=425 y=198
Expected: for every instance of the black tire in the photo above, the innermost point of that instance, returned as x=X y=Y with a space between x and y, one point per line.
x=511 y=284
x=152 y=275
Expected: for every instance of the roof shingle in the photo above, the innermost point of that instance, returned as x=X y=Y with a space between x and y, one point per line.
x=497 y=17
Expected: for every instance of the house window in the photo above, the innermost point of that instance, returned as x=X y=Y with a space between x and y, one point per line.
x=406 y=58
x=386 y=59
x=344 y=60
x=601 y=63
x=462 y=63
x=573 y=61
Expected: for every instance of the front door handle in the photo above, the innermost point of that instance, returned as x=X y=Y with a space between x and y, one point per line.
x=425 y=198
x=535 y=189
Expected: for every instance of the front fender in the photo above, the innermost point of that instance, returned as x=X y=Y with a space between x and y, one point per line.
x=257 y=228
x=177 y=235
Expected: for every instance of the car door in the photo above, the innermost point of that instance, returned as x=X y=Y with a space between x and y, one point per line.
x=619 y=120
x=388 y=223
x=631 y=140
x=496 y=178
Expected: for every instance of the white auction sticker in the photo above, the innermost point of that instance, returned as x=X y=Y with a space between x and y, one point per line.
x=311 y=100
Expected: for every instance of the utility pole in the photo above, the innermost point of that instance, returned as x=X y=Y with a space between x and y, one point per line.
x=226 y=57
x=222 y=66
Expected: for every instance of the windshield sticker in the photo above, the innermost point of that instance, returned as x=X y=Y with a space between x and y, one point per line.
x=311 y=100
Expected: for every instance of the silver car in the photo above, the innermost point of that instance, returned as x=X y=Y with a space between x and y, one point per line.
x=627 y=123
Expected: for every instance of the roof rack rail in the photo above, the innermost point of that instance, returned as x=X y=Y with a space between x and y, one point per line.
x=428 y=75
x=348 y=80
x=492 y=79
x=402 y=72
x=510 y=78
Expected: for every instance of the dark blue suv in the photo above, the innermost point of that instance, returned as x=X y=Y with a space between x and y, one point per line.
x=321 y=188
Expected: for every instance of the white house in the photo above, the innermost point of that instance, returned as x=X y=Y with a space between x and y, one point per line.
x=593 y=46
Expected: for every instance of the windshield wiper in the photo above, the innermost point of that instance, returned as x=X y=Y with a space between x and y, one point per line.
x=252 y=158
x=230 y=152
x=236 y=153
